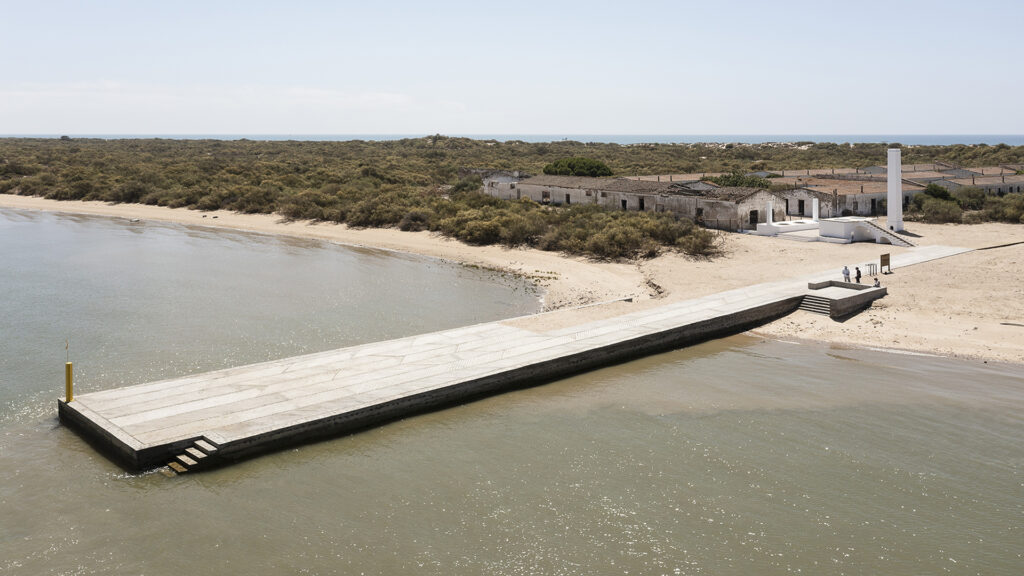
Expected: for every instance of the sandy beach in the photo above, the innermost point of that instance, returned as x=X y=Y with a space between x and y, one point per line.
x=968 y=306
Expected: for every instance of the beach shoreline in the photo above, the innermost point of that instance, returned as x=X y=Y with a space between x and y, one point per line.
x=969 y=306
x=566 y=281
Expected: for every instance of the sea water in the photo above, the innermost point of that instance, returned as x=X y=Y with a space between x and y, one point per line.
x=737 y=456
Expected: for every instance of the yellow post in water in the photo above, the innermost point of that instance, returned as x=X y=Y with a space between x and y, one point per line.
x=68 y=386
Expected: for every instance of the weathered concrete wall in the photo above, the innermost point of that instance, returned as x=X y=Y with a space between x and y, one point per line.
x=503 y=190
x=117 y=449
x=561 y=196
x=98 y=437
x=827 y=283
x=558 y=195
x=860 y=204
x=714 y=213
x=826 y=205
x=842 y=307
x=861 y=297
x=758 y=201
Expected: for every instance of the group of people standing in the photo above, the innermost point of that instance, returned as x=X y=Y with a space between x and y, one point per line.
x=846 y=276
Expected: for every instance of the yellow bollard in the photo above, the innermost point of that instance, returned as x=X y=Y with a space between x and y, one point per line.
x=68 y=386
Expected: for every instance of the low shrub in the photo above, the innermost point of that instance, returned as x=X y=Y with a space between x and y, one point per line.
x=216 y=200
x=1009 y=208
x=578 y=166
x=970 y=198
x=480 y=232
x=470 y=184
x=522 y=228
x=938 y=211
x=620 y=241
x=701 y=243
x=932 y=192
x=973 y=217
x=417 y=220
x=738 y=178
x=306 y=205
x=254 y=200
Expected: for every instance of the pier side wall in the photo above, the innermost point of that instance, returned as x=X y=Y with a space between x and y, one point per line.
x=843 y=307
x=97 y=436
x=115 y=448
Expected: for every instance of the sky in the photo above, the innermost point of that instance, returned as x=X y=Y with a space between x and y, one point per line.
x=525 y=67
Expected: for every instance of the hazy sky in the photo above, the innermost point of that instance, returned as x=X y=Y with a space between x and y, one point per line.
x=627 y=67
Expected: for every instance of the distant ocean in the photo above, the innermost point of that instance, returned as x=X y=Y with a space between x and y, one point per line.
x=911 y=139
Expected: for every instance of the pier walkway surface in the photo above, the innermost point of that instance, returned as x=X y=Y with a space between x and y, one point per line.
x=228 y=414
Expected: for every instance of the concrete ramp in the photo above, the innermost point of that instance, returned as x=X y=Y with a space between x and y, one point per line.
x=883 y=236
x=847 y=229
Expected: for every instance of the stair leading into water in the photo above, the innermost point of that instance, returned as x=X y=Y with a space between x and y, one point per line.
x=196 y=457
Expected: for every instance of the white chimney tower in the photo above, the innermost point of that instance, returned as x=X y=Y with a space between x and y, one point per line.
x=894 y=198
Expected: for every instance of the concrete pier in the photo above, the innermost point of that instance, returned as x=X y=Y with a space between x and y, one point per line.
x=220 y=416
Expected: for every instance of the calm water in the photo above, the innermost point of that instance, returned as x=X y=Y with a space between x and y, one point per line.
x=738 y=456
x=142 y=301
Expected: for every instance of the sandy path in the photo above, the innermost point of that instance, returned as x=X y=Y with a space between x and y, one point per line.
x=969 y=306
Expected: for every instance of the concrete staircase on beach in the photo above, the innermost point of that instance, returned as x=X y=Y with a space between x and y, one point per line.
x=196 y=457
x=816 y=304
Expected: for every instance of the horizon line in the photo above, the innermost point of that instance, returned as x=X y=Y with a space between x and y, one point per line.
x=531 y=133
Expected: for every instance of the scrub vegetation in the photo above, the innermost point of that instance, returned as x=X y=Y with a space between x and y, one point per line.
x=968 y=205
x=578 y=167
x=415 y=184
x=738 y=178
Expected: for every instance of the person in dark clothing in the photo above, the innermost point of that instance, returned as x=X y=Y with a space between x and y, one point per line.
x=858 y=274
